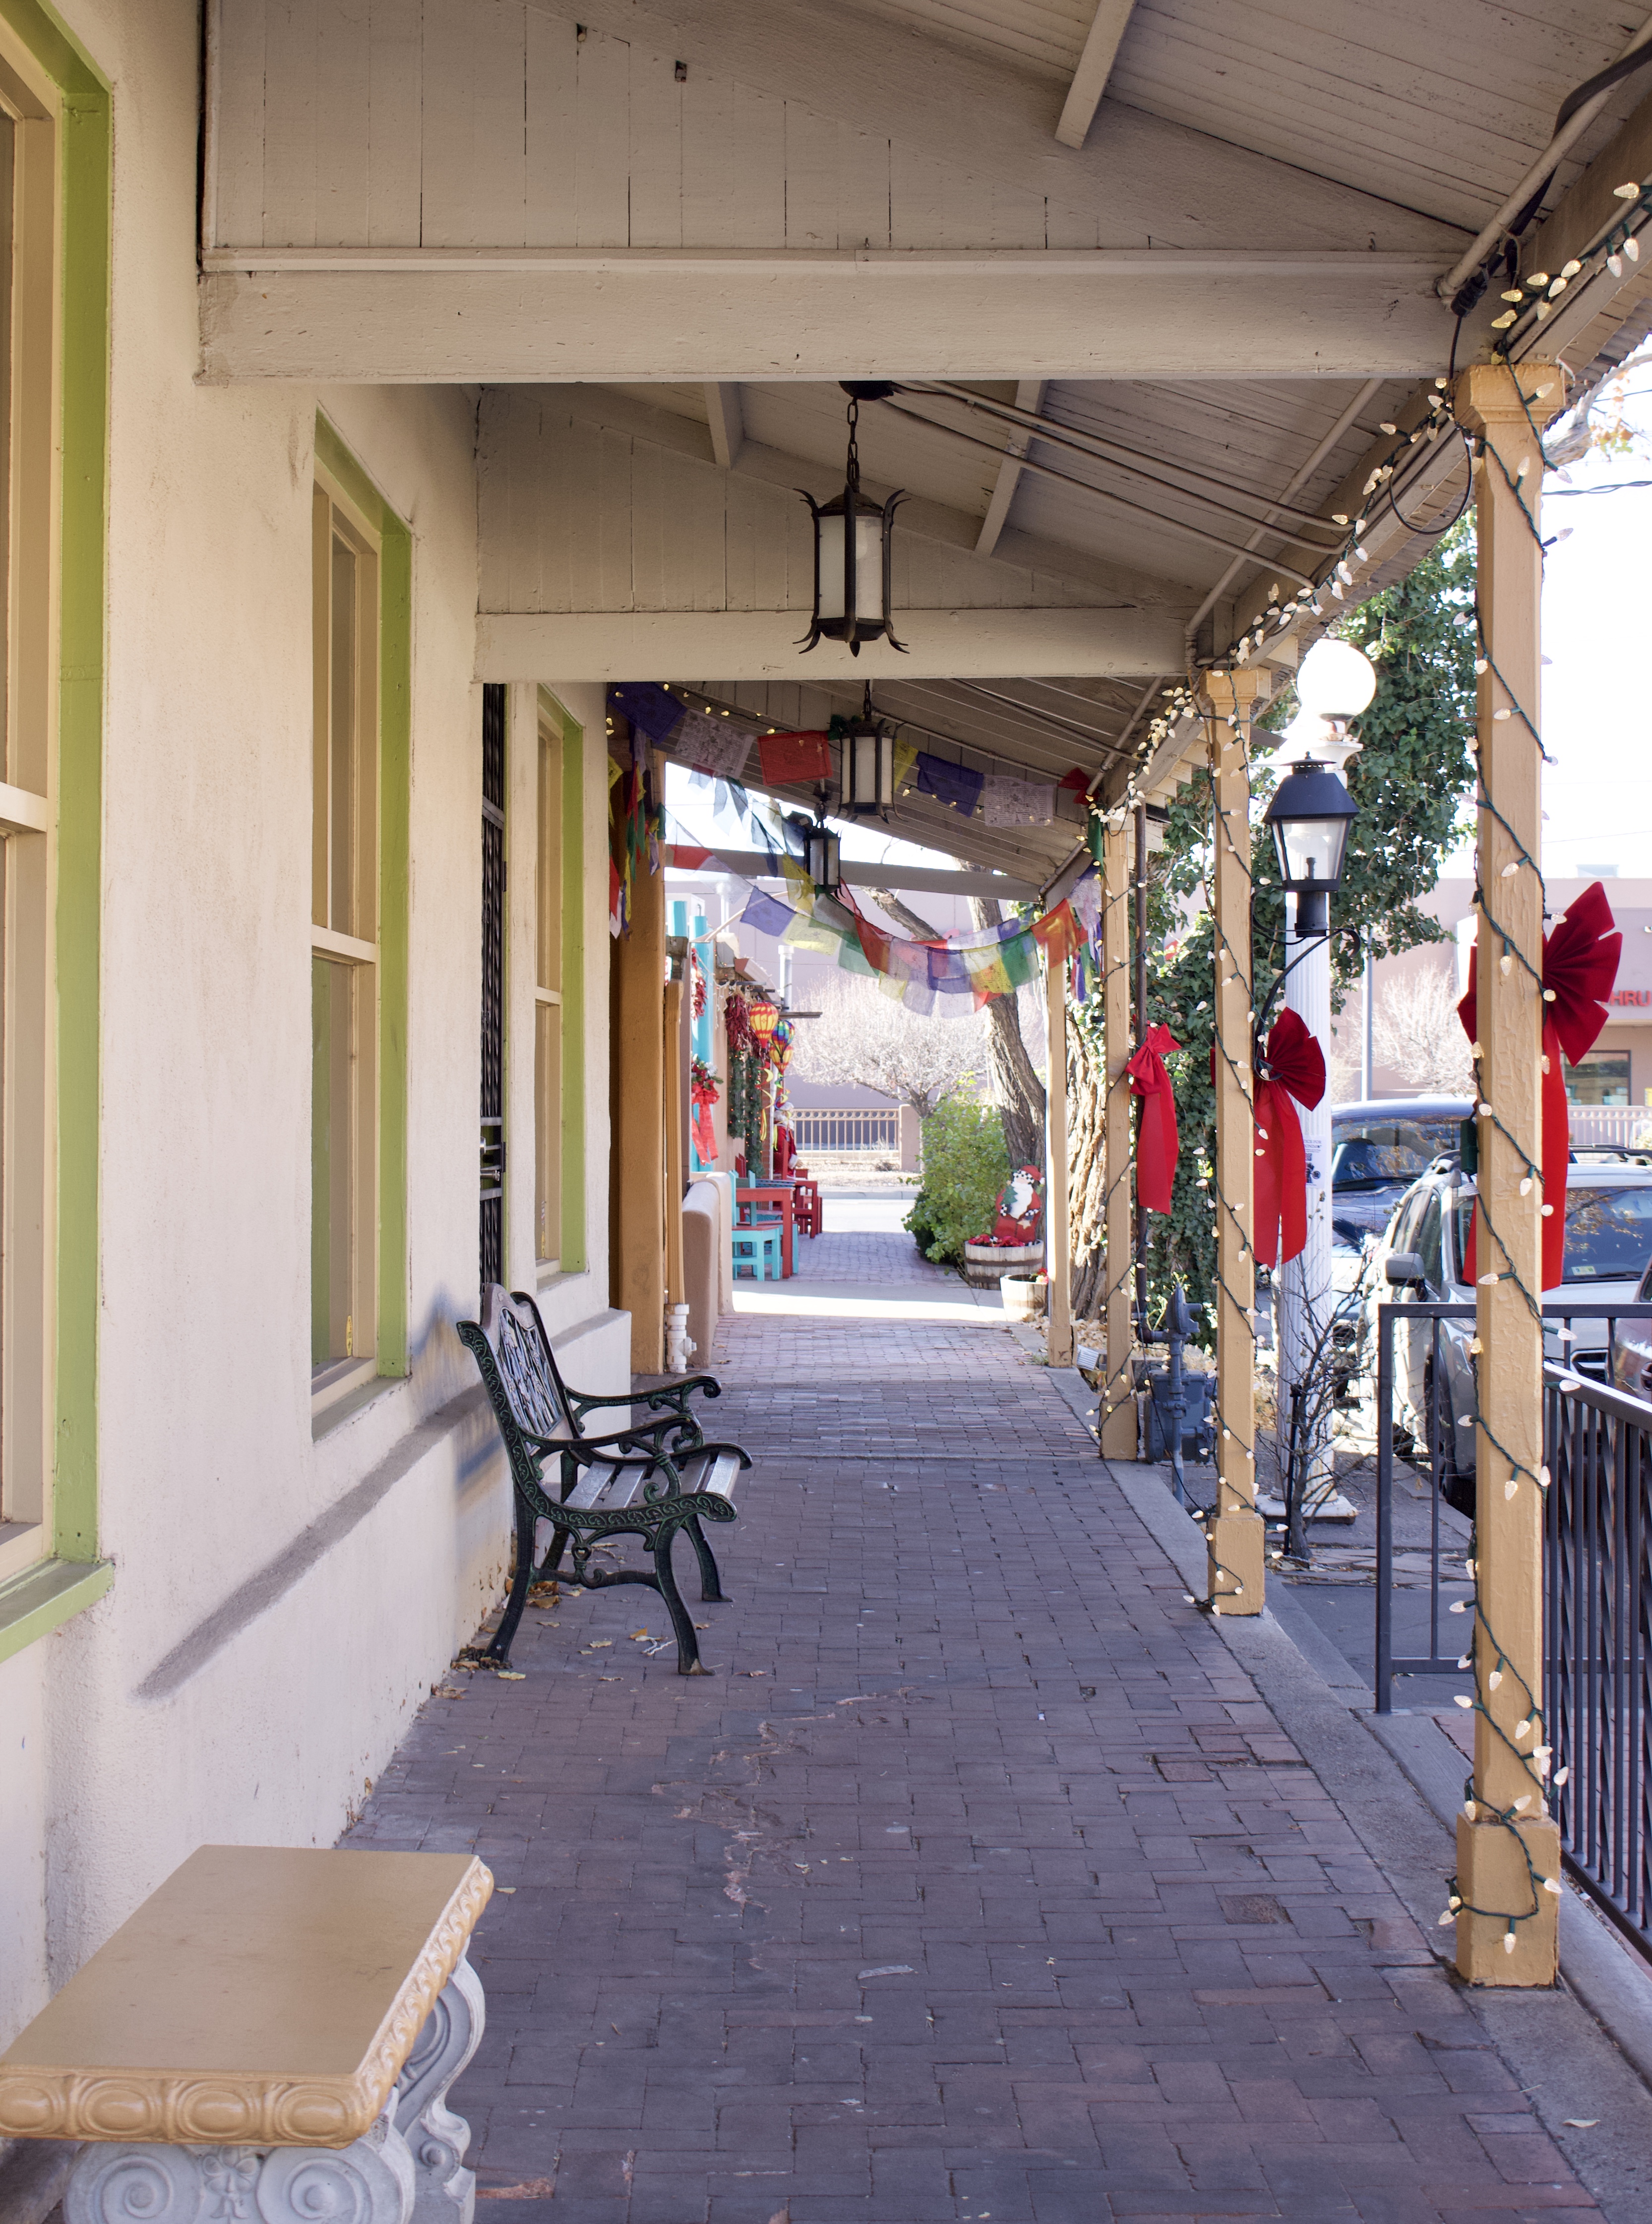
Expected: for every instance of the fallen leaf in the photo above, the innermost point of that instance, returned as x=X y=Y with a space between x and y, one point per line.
x=1581 y=2123
x=886 y=1969
x=534 y=2189
x=597 y=1643
x=702 y=1625
x=636 y=1633
x=608 y=1679
x=512 y=1676
x=505 y=1887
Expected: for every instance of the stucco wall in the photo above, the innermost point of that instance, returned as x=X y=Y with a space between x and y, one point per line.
x=280 y=1605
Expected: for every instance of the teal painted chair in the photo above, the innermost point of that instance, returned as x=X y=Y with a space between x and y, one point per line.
x=757 y=1250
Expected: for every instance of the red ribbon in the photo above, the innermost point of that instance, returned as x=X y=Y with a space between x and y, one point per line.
x=1580 y=968
x=1294 y=1067
x=703 y=1097
x=1157 y=1143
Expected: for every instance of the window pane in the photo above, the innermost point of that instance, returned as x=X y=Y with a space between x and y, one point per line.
x=547 y=1132
x=331 y=1161
x=548 y=890
x=342 y=742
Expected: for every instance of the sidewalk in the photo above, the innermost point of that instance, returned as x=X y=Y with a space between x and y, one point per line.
x=979 y=1881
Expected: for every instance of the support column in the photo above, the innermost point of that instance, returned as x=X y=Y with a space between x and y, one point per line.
x=1509 y=1825
x=676 y=1132
x=636 y=1118
x=1235 y=1534
x=1117 y=1399
x=1058 y=1225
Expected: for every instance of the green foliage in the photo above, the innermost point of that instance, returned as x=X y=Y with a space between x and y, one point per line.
x=1410 y=781
x=965 y=1167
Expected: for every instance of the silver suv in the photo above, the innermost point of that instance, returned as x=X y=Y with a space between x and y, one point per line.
x=1608 y=1251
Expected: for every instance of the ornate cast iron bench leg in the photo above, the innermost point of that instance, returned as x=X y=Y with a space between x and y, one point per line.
x=688 y=1661
x=710 y=1583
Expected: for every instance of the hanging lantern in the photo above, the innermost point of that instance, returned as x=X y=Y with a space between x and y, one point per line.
x=764 y=1018
x=853 y=559
x=824 y=851
x=867 y=781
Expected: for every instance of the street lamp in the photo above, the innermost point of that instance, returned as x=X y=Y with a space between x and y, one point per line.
x=853 y=551
x=1310 y=815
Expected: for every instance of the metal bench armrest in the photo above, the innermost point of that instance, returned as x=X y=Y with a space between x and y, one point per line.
x=674 y=1394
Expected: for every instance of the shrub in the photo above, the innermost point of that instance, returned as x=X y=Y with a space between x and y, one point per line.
x=964 y=1166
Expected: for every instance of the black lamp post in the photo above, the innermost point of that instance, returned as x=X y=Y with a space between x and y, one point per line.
x=1310 y=815
x=853 y=551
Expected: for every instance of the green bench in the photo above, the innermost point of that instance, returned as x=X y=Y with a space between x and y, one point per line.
x=651 y=1481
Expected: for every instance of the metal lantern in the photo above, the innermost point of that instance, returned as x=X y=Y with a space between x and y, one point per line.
x=853 y=556
x=824 y=850
x=1310 y=815
x=868 y=782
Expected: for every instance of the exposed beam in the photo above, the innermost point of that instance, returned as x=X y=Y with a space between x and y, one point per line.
x=423 y=317
x=763 y=645
x=1029 y=395
x=925 y=879
x=1095 y=67
x=727 y=421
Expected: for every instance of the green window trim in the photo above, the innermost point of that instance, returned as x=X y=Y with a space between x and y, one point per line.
x=573 y=1257
x=395 y=836
x=41 y=1597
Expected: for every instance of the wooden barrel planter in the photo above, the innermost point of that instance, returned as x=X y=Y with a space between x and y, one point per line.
x=1026 y=1296
x=985 y=1264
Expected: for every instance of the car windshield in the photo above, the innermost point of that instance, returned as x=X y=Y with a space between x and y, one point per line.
x=1376 y=1154
x=1608 y=1232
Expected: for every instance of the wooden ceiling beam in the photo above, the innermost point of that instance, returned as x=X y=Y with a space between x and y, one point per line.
x=1095 y=67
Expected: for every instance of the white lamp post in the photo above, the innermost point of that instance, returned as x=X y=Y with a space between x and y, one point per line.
x=1310 y=815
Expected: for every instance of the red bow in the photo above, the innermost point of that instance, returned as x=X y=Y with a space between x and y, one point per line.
x=703 y=1095
x=1579 y=966
x=1294 y=1067
x=1157 y=1143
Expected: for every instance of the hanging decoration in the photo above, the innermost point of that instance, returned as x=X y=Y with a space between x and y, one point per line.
x=1157 y=1142
x=793 y=759
x=636 y=824
x=1291 y=1072
x=1580 y=961
x=703 y=1094
x=853 y=550
x=1019 y=802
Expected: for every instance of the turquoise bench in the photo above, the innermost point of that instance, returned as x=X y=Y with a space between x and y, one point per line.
x=757 y=1250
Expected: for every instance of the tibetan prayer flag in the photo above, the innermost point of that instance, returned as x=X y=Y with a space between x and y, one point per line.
x=790 y=759
x=906 y=758
x=950 y=783
x=1059 y=933
x=1018 y=802
x=713 y=745
x=653 y=711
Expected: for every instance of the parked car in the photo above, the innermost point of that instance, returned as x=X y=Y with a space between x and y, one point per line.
x=1632 y=1352
x=1378 y=1149
x=1607 y=1259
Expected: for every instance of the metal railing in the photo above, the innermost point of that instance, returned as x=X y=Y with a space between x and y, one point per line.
x=1597 y=1582
x=847 y=1130
x=1598 y=1641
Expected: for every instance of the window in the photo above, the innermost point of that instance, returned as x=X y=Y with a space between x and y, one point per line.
x=1602 y=1077
x=343 y=950
x=41 y=1017
x=1428 y=1245
x=547 y=1004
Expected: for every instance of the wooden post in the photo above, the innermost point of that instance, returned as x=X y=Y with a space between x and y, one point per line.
x=1236 y=1535
x=1057 y=1226
x=636 y=1119
x=1494 y=1845
x=1117 y=1397
x=675 y=1171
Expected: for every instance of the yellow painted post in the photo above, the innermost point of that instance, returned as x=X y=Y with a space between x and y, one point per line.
x=1057 y=1227
x=1117 y=1399
x=1509 y=1827
x=1236 y=1535
x=636 y=1120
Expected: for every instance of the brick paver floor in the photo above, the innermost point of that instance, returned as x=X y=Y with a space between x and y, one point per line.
x=978 y=1883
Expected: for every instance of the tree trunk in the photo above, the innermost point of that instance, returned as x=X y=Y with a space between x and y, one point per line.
x=1087 y=1174
x=1015 y=1084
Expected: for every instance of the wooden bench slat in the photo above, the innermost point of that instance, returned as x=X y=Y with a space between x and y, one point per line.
x=263 y=1995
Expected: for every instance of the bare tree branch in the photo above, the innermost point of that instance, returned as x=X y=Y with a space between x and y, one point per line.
x=866 y=1039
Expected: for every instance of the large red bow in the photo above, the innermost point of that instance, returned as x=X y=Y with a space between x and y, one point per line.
x=1294 y=1068
x=1580 y=967
x=1157 y=1143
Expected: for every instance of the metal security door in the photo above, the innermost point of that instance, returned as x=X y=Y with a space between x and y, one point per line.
x=493 y=982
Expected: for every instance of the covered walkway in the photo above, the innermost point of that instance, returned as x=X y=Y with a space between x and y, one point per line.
x=980 y=1881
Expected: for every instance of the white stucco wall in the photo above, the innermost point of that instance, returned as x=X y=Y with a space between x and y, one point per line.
x=280 y=1605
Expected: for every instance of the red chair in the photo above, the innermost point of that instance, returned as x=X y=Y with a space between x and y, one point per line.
x=806 y=1206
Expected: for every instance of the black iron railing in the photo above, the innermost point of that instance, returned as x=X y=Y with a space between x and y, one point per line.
x=1598 y=1639
x=1597 y=1579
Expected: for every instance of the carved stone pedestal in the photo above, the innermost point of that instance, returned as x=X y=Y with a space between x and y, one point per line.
x=408 y=2169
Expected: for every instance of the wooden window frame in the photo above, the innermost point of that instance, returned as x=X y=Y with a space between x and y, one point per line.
x=559 y=1105
x=353 y=944
x=31 y=357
